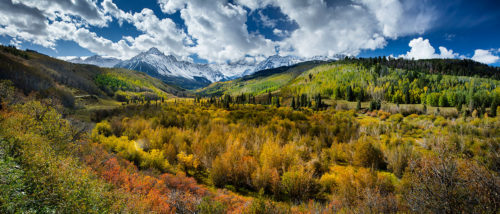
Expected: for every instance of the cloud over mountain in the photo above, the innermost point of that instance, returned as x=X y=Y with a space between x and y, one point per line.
x=217 y=30
x=422 y=49
x=485 y=56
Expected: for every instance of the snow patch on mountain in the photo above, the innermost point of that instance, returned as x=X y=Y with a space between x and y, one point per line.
x=170 y=66
x=277 y=61
x=107 y=62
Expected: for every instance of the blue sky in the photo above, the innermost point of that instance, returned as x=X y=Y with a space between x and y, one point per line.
x=221 y=30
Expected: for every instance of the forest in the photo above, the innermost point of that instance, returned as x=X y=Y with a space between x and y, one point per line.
x=351 y=136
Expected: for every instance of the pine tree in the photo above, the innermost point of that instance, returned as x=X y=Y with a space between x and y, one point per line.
x=269 y=98
x=493 y=107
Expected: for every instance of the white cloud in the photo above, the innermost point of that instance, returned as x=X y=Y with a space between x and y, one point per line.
x=346 y=27
x=422 y=49
x=220 y=31
x=170 y=6
x=485 y=56
x=448 y=54
x=66 y=58
x=216 y=30
x=281 y=33
x=87 y=10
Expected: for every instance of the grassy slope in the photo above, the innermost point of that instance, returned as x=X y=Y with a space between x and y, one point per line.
x=324 y=77
x=142 y=80
x=258 y=83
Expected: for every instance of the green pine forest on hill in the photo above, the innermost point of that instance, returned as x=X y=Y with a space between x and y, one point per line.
x=355 y=135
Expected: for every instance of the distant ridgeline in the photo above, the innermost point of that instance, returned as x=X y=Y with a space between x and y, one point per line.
x=459 y=67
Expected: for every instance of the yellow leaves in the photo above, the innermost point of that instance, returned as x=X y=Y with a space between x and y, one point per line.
x=367 y=154
x=155 y=159
x=131 y=150
x=298 y=183
x=266 y=179
x=101 y=128
x=349 y=183
x=281 y=158
x=187 y=162
x=235 y=166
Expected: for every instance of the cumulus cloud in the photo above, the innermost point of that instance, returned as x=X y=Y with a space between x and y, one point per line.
x=219 y=30
x=21 y=21
x=346 y=27
x=485 y=56
x=422 y=49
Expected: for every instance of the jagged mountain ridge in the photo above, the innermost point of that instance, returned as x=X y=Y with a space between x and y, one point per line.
x=191 y=75
x=167 y=68
x=106 y=62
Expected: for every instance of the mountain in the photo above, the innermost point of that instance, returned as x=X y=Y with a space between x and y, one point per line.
x=192 y=75
x=106 y=62
x=277 y=61
x=260 y=82
x=167 y=68
x=233 y=70
x=49 y=77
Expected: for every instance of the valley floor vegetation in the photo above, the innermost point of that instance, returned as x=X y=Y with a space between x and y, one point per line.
x=302 y=160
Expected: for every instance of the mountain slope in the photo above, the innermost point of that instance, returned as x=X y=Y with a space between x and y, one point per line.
x=368 y=80
x=50 y=77
x=259 y=82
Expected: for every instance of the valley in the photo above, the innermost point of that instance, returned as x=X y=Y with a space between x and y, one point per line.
x=351 y=135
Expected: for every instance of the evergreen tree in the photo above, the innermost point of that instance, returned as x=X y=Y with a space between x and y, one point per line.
x=269 y=98
x=318 y=104
x=227 y=101
x=494 y=106
x=349 y=94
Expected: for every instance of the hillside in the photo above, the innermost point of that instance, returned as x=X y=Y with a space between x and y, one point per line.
x=53 y=78
x=360 y=80
x=259 y=82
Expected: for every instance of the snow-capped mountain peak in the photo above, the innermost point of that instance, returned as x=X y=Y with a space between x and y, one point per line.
x=100 y=61
x=154 y=61
x=276 y=61
x=153 y=51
